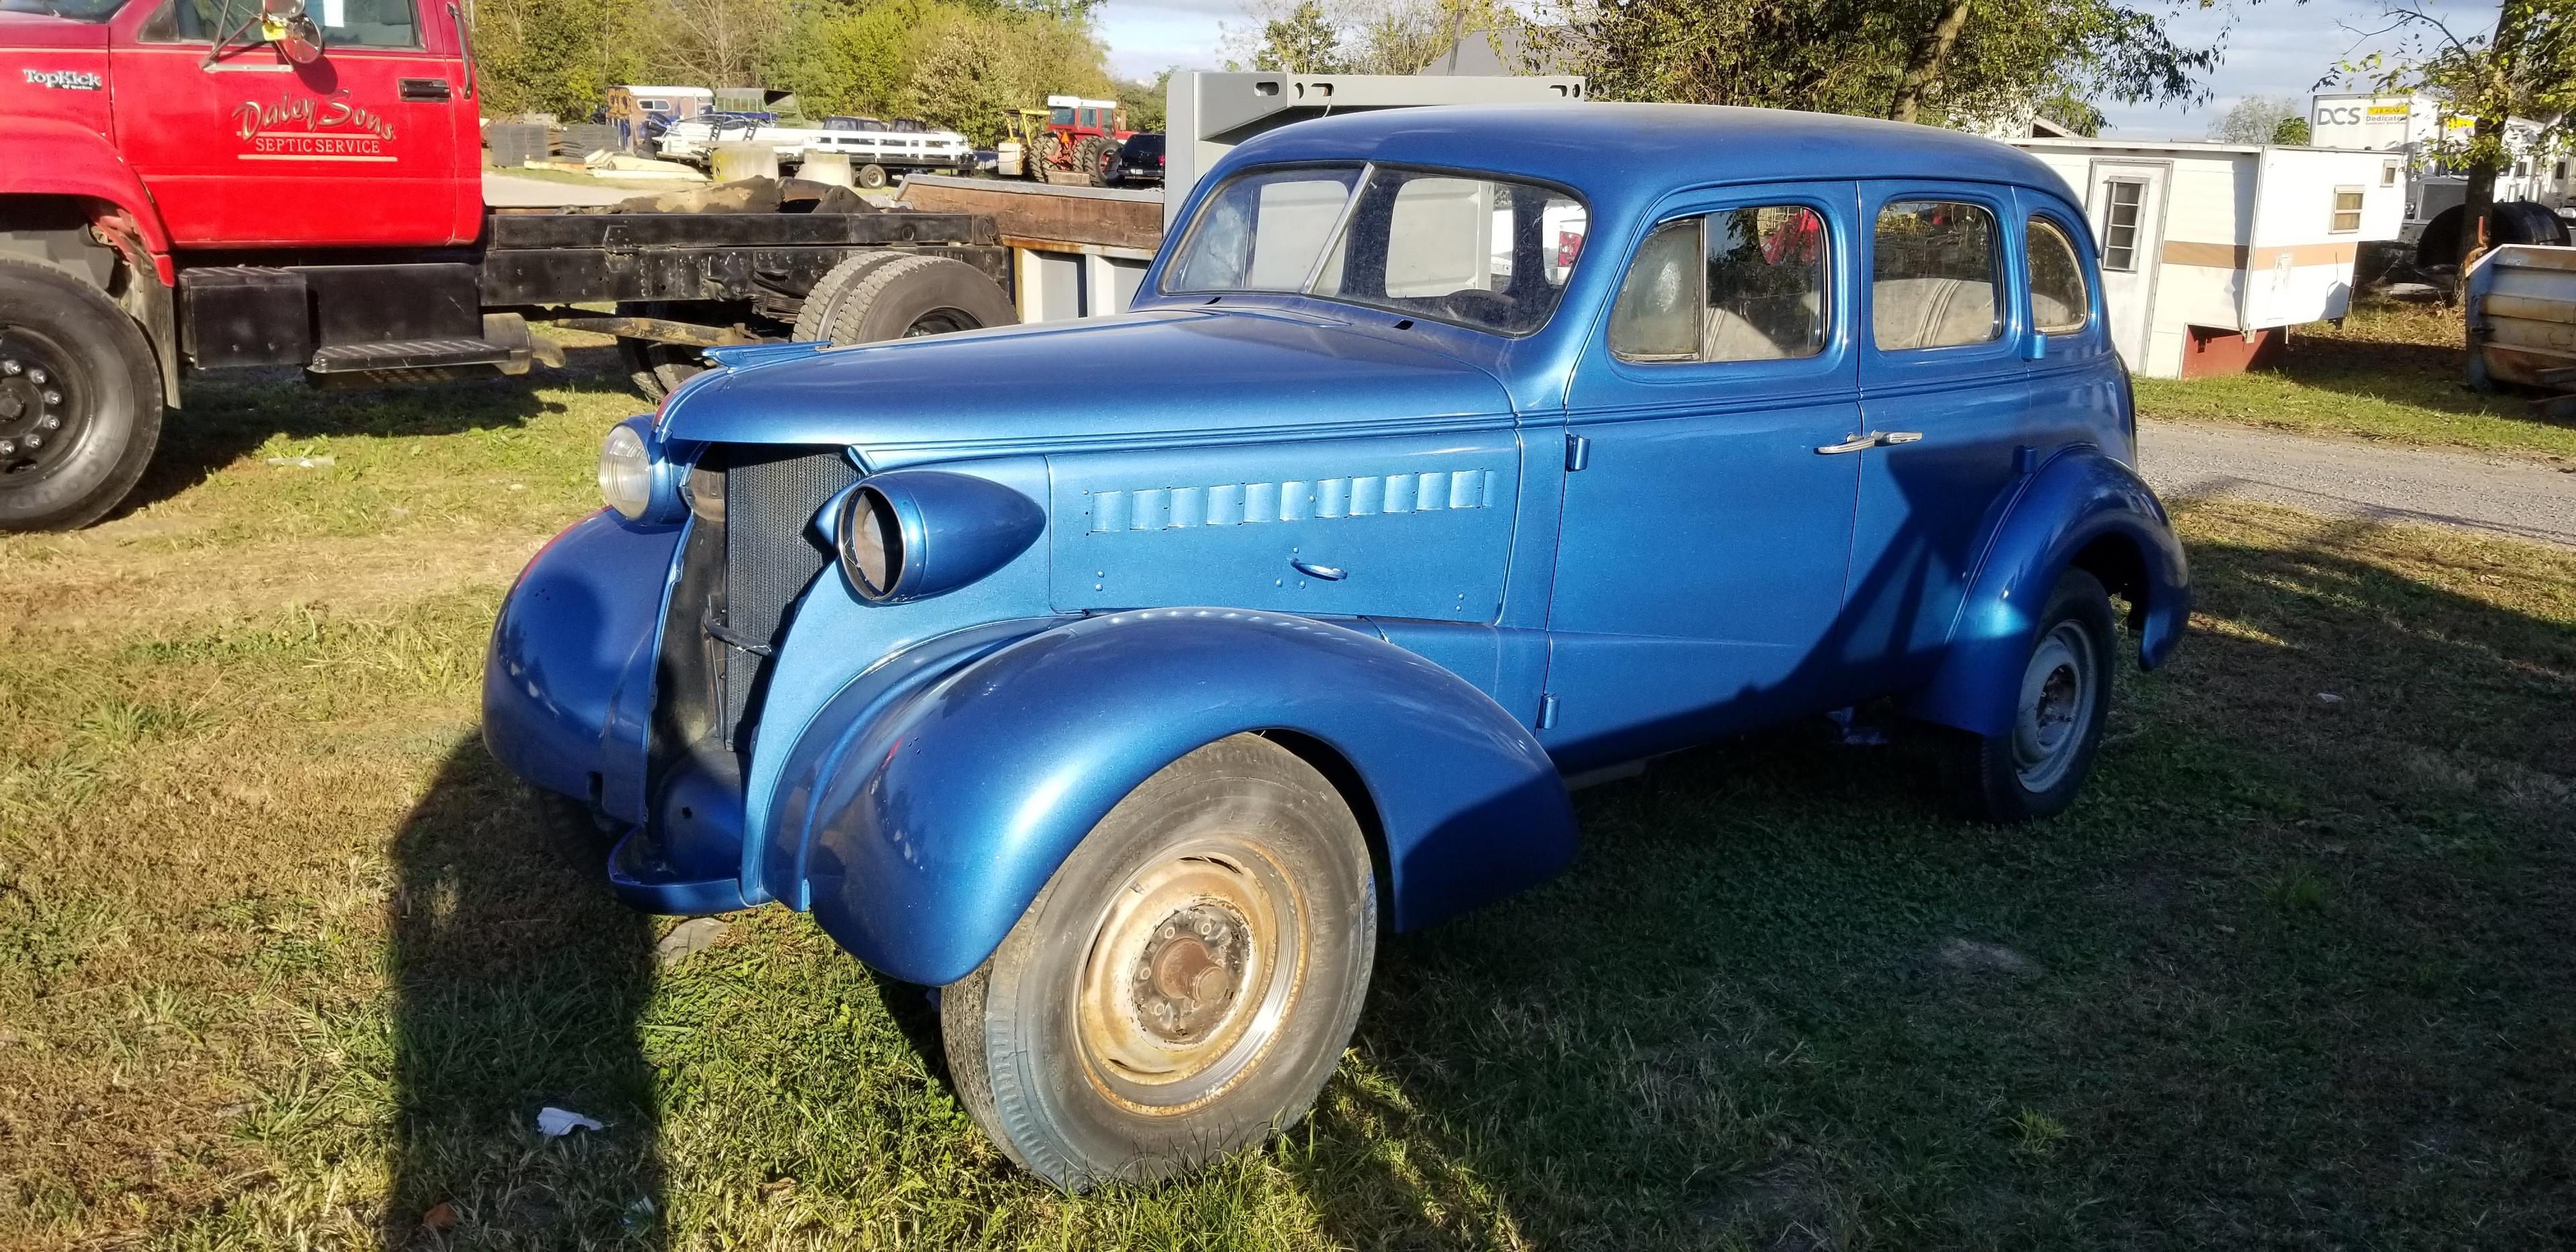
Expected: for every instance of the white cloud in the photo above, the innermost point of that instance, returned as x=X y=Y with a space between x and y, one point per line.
x=1146 y=36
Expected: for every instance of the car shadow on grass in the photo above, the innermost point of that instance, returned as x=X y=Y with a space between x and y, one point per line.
x=518 y=982
x=2284 y=976
x=231 y=415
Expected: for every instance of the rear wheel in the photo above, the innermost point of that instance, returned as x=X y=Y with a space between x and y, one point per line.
x=2061 y=700
x=657 y=369
x=80 y=399
x=1091 y=159
x=870 y=176
x=906 y=297
x=1186 y=982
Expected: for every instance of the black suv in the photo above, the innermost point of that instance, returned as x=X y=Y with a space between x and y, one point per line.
x=1139 y=160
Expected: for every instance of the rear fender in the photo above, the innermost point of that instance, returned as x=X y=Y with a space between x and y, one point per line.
x=2081 y=508
x=931 y=824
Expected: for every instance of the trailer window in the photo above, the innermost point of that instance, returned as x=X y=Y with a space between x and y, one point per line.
x=1935 y=276
x=2120 y=224
x=2347 y=210
x=2059 y=304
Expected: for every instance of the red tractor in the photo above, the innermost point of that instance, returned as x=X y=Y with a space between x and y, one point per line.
x=1073 y=136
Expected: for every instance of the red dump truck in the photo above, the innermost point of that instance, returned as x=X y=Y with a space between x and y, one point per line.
x=200 y=185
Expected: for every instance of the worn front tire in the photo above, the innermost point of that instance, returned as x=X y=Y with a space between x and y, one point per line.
x=2061 y=702
x=1185 y=983
x=80 y=399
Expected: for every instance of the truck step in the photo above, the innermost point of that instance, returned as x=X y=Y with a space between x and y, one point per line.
x=410 y=354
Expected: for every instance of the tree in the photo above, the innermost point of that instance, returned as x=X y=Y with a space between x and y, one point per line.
x=713 y=43
x=2523 y=66
x=2254 y=119
x=2292 y=131
x=1945 y=61
x=1144 y=101
x=1300 y=42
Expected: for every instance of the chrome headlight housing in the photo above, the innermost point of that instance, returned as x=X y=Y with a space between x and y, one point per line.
x=636 y=476
x=912 y=534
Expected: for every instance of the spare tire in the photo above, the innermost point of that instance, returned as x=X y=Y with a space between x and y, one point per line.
x=908 y=297
x=2516 y=221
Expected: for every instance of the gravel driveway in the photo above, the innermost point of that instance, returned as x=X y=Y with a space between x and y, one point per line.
x=2524 y=498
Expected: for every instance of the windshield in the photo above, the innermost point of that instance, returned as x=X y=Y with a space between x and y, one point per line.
x=1483 y=252
x=77 y=10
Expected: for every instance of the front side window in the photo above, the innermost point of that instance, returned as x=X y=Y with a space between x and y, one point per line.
x=1061 y=115
x=344 y=23
x=1479 y=252
x=2347 y=210
x=2059 y=304
x=1934 y=276
x=1740 y=285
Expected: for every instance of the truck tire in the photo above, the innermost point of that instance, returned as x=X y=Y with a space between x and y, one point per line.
x=832 y=290
x=912 y=296
x=657 y=369
x=2035 y=769
x=1091 y=160
x=1184 y=985
x=870 y=176
x=80 y=399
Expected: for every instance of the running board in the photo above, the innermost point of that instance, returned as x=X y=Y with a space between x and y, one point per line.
x=414 y=354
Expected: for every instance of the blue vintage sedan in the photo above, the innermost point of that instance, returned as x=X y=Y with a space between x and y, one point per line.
x=1491 y=447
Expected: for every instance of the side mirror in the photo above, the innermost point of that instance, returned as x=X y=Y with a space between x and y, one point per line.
x=286 y=26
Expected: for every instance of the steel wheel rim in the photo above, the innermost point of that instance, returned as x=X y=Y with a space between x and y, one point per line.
x=1192 y=967
x=937 y=322
x=2057 y=693
x=44 y=415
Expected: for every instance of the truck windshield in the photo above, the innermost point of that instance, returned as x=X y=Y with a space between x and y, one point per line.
x=77 y=10
x=1482 y=252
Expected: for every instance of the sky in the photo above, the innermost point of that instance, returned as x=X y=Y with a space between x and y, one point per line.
x=2273 y=47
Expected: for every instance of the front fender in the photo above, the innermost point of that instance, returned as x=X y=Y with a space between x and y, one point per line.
x=937 y=821
x=2081 y=505
x=51 y=157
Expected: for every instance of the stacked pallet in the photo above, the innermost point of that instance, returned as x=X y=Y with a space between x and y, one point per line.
x=514 y=144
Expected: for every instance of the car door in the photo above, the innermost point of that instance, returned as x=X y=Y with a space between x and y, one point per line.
x=2077 y=391
x=1943 y=390
x=1706 y=521
x=359 y=147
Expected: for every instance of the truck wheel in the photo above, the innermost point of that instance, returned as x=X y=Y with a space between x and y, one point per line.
x=832 y=290
x=80 y=399
x=870 y=176
x=656 y=368
x=1091 y=160
x=1186 y=982
x=2062 y=700
x=912 y=296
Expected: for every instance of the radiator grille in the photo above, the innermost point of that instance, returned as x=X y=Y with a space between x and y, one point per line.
x=772 y=553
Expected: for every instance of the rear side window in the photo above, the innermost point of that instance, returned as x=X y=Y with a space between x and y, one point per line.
x=1740 y=285
x=1935 y=276
x=2059 y=302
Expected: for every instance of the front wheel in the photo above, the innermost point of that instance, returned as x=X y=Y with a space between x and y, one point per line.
x=2061 y=701
x=1185 y=983
x=80 y=399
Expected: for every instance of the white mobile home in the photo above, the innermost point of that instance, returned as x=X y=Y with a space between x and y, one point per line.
x=2209 y=250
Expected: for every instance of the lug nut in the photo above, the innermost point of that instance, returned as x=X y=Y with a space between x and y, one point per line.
x=53 y=397
x=49 y=422
x=37 y=377
x=10 y=369
x=34 y=442
x=8 y=447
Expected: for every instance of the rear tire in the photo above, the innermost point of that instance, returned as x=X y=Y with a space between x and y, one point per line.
x=656 y=368
x=81 y=412
x=870 y=176
x=912 y=296
x=1091 y=158
x=832 y=290
x=1185 y=983
x=2061 y=702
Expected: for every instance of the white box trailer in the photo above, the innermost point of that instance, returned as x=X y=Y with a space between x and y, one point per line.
x=2209 y=250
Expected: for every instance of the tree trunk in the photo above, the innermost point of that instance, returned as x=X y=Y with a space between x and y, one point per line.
x=2477 y=207
x=1924 y=66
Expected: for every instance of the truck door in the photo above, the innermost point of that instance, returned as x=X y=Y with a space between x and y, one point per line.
x=357 y=149
x=1707 y=509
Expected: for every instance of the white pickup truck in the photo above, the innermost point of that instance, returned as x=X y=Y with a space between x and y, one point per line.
x=876 y=148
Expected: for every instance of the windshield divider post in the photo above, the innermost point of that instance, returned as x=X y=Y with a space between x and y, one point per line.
x=1341 y=223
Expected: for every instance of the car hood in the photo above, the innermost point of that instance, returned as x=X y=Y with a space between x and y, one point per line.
x=1161 y=376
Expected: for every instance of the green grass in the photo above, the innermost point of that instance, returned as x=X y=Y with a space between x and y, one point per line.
x=286 y=960
x=2392 y=372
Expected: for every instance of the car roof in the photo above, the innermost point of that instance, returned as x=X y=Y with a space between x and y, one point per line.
x=1626 y=151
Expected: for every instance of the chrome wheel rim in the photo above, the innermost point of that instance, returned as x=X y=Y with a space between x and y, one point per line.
x=1192 y=967
x=2057 y=693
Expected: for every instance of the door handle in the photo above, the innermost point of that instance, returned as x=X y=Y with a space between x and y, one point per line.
x=1328 y=573
x=1876 y=439
x=425 y=90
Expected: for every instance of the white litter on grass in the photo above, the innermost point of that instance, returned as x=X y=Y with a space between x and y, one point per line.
x=2328 y=697
x=304 y=462
x=555 y=1123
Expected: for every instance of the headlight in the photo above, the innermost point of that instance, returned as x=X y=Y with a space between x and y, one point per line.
x=911 y=534
x=634 y=477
